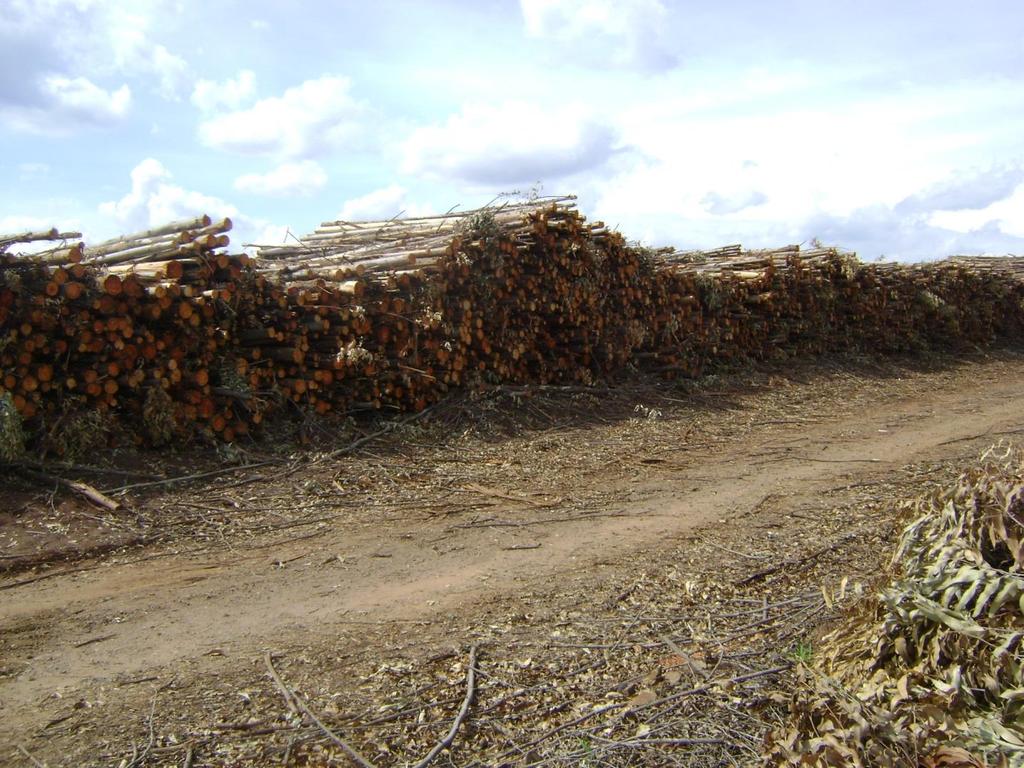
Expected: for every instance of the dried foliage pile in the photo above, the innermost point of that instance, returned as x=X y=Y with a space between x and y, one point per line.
x=12 y=436
x=930 y=669
x=394 y=314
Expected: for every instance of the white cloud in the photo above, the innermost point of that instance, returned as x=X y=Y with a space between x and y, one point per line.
x=111 y=39
x=879 y=230
x=624 y=33
x=724 y=204
x=385 y=203
x=14 y=224
x=301 y=178
x=127 y=31
x=713 y=164
x=154 y=200
x=510 y=144
x=305 y=121
x=970 y=211
x=1008 y=212
x=66 y=104
x=966 y=190
x=651 y=202
x=80 y=97
x=209 y=95
x=170 y=69
x=272 y=234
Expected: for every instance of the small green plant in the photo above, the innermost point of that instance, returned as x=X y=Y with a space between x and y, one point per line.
x=588 y=751
x=710 y=291
x=482 y=225
x=803 y=652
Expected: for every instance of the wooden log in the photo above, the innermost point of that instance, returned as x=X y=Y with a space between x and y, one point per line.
x=155 y=271
x=161 y=250
x=69 y=254
x=173 y=228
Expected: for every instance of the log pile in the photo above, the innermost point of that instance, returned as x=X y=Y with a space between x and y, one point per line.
x=397 y=312
x=727 y=304
x=170 y=332
x=130 y=326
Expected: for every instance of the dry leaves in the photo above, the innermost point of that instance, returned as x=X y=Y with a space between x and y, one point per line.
x=932 y=665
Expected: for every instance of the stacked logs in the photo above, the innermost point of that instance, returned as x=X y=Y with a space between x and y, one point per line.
x=402 y=310
x=122 y=327
x=788 y=301
x=166 y=330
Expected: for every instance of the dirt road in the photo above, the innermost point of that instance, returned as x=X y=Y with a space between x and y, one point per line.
x=464 y=528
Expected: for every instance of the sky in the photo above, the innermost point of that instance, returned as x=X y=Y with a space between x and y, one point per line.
x=892 y=128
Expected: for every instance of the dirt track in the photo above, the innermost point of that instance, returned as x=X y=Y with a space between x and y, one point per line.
x=468 y=528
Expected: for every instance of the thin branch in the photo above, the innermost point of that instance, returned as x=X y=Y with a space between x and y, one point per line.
x=48 y=575
x=390 y=426
x=141 y=758
x=345 y=746
x=793 y=562
x=290 y=696
x=289 y=699
x=659 y=742
x=82 y=489
x=557 y=730
x=709 y=542
x=85 y=468
x=186 y=478
x=463 y=711
x=31 y=757
x=711 y=684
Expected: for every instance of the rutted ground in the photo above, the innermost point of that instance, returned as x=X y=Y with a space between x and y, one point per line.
x=450 y=531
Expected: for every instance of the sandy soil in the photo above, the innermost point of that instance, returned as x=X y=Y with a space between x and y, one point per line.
x=418 y=541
